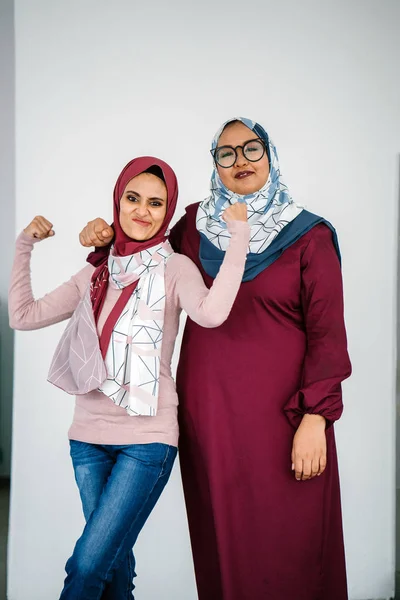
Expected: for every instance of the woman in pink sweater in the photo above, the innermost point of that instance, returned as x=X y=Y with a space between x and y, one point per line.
x=115 y=357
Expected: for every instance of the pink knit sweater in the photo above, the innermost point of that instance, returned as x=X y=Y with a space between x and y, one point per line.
x=97 y=419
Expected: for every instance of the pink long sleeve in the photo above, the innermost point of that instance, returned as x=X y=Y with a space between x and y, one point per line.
x=27 y=313
x=211 y=307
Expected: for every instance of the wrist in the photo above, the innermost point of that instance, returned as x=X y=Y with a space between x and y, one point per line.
x=27 y=237
x=237 y=225
x=314 y=419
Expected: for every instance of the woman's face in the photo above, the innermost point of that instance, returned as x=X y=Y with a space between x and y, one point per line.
x=143 y=207
x=244 y=177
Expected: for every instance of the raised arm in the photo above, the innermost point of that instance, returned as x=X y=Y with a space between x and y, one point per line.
x=25 y=312
x=211 y=307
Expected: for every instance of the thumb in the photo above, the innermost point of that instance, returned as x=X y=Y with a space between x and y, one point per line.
x=107 y=232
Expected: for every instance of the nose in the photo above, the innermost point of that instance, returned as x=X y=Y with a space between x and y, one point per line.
x=241 y=160
x=141 y=210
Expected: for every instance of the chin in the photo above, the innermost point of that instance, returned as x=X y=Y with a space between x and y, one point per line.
x=143 y=237
x=138 y=235
x=245 y=187
x=243 y=190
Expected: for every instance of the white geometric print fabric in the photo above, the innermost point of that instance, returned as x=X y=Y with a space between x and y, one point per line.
x=77 y=366
x=269 y=209
x=134 y=353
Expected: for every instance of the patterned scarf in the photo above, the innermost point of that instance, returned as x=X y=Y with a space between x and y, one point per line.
x=134 y=352
x=270 y=209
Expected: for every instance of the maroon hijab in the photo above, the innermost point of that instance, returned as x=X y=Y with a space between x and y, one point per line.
x=124 y=245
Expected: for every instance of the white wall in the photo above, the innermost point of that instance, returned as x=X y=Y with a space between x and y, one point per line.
x=7 y=220
x=101 y=82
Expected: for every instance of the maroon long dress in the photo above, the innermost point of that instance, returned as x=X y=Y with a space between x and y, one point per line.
x=256 y=532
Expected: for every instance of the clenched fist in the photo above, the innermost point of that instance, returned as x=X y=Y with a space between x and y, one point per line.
x=39 y=229
x=96 y=233
x=236 y=212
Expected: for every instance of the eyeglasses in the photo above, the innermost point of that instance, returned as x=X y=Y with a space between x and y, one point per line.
x=226 y=156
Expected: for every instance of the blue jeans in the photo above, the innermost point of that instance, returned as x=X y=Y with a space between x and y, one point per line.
x=119 y=487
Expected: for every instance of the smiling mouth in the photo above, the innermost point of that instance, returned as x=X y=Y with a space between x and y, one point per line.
x=141 y=223
x=243 y=174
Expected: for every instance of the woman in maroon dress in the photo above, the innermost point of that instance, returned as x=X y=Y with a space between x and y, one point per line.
x=259 y=395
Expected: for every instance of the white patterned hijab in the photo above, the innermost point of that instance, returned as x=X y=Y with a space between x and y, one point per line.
x=269 y=209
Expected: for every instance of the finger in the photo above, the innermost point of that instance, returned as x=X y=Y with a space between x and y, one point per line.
x=298 y=468
x=37 y=227
x=306 y=469
x=90 y=236
x=95 y=240
x=84 y=238
x=105 y=235
x=35 y=232
x=87 y=235
x=43 y=227
x=89 y=242
x=99 y=226
x=40 y=232
x=98 y=231
x=42 y=222
x=32 y=229
x=46 y=231
x=315 y=467
x=47 y=223
x=100 y=236
x=322 y=464
x=108 y=233
x=93 y=233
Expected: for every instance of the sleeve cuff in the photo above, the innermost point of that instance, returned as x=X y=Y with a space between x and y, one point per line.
x=26 y=240
x=297 y=407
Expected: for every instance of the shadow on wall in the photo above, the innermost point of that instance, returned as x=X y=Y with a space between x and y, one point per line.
x=6 y=389
x=7 y=220
x=397 y=588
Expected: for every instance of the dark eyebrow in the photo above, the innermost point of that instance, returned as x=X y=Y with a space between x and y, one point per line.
x=139 y=196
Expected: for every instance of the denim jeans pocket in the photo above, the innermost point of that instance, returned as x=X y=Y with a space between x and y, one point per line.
x=154 y=455
x=77 y=448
